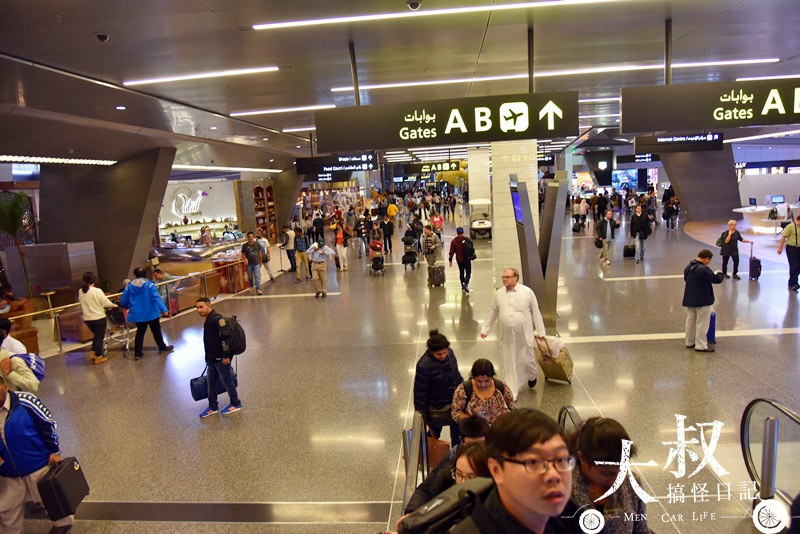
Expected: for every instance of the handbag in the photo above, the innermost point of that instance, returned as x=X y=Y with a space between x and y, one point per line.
x=721 y=240
x=598 y=243
x=199 y=386
x=437 y=449
x=440 y=416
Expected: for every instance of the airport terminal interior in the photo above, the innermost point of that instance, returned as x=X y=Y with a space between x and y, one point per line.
x=156 y=135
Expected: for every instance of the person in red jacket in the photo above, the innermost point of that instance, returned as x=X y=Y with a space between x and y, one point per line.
x=463 y=257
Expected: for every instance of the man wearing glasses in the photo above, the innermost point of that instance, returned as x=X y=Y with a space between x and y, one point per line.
x=532 y=472
x=521 y=327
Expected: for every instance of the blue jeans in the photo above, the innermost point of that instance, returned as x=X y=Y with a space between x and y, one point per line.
x=254 y=276
x=292 y=261
x=220 y=371
x=640 y=248
x=464 y=272
x=362 y=245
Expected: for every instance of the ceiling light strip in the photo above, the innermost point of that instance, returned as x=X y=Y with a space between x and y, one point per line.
x=201 y=76
x=425 y=13
x=46 y=160
x=300 y=129
x=568 y=72
x=776 y=77
x=763 y=136
x=598 y=100
x=181 y=167
x=599 y=116
x=282 y=110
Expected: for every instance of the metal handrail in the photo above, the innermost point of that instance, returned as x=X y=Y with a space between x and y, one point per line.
x=568 y=412
x=416 y=455
x=744 y=437
x=173 y=280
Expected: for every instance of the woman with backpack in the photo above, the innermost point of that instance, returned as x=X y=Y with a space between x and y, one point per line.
x=482 y=394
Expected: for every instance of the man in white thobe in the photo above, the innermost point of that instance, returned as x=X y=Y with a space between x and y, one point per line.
x=521 y=326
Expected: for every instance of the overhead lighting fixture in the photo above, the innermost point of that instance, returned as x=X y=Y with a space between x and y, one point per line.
x=763 y=136
x=599 y=116
x=282 y=110
x=265 y=138
x=298 y=146
x=120 y=108
x=65 y=161
x=426 y=13
x=181 y=167
x=555 y=73
x=598 y=100
x=200 y=76
x=213 y=127
x=300 y=129
x=757 y=78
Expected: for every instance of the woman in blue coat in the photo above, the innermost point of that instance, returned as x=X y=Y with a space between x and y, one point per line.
x=144 y=306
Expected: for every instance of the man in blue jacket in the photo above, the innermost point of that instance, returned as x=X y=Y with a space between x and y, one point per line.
x=698 y=296
x=29 y=446
x=144 y=303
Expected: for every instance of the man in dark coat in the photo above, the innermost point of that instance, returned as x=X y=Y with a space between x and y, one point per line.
x=435 y=382
x=698 y=296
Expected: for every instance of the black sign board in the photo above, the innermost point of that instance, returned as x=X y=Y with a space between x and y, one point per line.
x=363 y=161
x=647 y=144
x=435 y=166
x=447 y=122
x=638 y=158
x=707 y=106
x=546 y=161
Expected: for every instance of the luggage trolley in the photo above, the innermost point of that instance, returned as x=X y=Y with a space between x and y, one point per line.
x=117 y=329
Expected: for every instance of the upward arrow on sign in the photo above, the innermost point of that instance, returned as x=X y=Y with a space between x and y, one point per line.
x=551 y=110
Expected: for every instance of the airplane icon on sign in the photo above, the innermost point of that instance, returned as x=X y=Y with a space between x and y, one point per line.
x=512 y=116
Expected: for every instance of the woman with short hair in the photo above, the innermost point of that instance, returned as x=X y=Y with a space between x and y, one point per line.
x=93 y=305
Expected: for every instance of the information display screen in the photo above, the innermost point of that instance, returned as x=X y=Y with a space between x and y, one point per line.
x=517 y=206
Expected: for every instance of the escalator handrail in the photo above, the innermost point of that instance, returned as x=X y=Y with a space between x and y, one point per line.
x=744 y=438
x=572 y=413
x=415 y=455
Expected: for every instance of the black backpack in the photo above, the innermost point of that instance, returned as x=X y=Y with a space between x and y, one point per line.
x=239 y=340
x=498 y=384
x=469 y=249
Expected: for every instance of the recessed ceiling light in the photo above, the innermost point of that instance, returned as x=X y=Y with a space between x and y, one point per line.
x=554 y=73
x=271 y=160
x=45 y=160
x=181 y=167
x=120 y=108
x=200 y=76
x=300 y=129
x=265 y=139
x=282 y=110
x=213 y=127
x=426 y=13
x=298 y=146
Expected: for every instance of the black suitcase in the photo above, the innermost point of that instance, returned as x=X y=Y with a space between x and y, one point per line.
x=436 y=275
x=63 y=488
x=755 y=266
x=577 y=227
x=629 y=250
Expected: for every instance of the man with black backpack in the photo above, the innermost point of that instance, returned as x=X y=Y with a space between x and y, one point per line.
x=223 y=339
x=464 y=251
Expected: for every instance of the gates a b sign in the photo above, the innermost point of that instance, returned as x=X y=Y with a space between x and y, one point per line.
x=710 y=106
x=446 y=122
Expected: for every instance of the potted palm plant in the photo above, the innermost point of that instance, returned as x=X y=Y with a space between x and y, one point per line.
x=13 y=210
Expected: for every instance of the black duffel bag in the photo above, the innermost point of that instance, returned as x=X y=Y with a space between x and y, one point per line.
x=199 y=385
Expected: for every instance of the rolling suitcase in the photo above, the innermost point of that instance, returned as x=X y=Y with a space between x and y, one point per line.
x=559 y=369
x=629 y=250
x=711 y=336
x=436 y=275
x=755 y=266
x=577 y=227
x=63 y=488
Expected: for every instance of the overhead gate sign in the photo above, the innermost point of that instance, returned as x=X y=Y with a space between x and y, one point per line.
x=710 y=106
x=448 y=122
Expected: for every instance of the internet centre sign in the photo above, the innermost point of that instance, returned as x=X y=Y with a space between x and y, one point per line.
x=710 y=106
x=447 y=122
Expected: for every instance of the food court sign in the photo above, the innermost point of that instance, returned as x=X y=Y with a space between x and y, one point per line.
x=704 y=106
x=447 y=122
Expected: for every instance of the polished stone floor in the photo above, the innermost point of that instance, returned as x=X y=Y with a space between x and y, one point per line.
x=326 y=387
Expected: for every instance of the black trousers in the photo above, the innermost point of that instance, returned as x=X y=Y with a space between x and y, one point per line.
x=387 y=242
x=98 y=328
x=141 y=328
x=464 y=272
x=793 y=255
x=735 y=258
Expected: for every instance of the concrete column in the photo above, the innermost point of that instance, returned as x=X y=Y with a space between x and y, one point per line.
x=478 y=181
x=117 y=207
x=520 y=158
x=705 y=183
